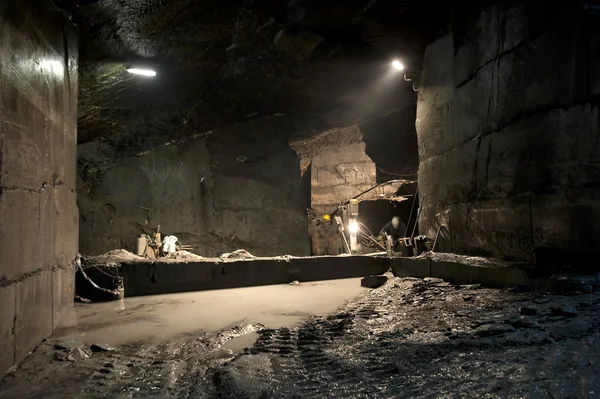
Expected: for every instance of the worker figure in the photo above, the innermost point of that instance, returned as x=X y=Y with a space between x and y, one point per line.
x=394 y=228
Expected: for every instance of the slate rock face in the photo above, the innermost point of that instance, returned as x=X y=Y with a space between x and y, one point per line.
x=499 y=130
x=217 y=194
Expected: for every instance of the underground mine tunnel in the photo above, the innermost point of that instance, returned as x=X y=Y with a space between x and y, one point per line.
x=299 y=198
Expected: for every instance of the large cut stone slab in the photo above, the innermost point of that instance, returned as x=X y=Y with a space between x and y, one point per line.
x=7 y=328
x=34 y=313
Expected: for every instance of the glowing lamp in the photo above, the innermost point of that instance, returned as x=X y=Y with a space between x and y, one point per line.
x=143 y=72
x=397 y=65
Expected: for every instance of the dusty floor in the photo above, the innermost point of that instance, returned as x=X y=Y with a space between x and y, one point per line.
x=410 y=338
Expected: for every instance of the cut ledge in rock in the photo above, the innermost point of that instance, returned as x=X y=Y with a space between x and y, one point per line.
x=373 y=281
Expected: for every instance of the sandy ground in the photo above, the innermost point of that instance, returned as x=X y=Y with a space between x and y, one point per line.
x=411 y=338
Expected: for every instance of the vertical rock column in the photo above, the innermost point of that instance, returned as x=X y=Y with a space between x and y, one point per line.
x=38 y=212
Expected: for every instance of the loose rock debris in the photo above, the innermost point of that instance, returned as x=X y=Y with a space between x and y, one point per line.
x=410 y=338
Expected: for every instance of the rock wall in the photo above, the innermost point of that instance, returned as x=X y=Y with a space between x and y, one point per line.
x=239 y=188
x=508 y=134
x=339 y=167
x=38 y=212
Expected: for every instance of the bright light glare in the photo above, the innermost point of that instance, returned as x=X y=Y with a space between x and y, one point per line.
x=398 y=65
x=144 y=72
x=353 y=227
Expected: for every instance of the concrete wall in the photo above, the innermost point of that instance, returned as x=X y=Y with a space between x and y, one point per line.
x=508 y=132
x=230 y=190
x=38 y=212
x=341 y=170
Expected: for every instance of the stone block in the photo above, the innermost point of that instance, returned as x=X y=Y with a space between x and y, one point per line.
x=477 y=44
x=518 y=25
x=567 y=220
x=437 y=90
x=7 y=328
x=34 y=313
x=437 y=74
x=63 y=292
x=59 y=222
x=447 y=127
x=469 y=118
x=433 y=125
x=346 y=153
x=498 y=228
x=58 y=162
x=471 y=272
x=357 y=172
x=549 y=152
x=411 y=267
x=48 y=224
x=145 y=278
x=334 y=195
x=455 y=169
x=466 y=64
x=25 y=160
x=455 y=273
x=326 y=177
x=546 y=71
x=20 y=233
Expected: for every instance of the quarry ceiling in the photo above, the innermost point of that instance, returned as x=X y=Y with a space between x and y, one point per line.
x=317 y=64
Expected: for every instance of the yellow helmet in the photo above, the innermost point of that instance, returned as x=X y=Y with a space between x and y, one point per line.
x=326 y=217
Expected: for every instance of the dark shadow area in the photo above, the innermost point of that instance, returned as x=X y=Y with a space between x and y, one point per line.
x=391 y=142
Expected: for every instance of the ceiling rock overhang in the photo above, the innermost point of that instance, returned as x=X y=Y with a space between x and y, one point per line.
x=322 y=64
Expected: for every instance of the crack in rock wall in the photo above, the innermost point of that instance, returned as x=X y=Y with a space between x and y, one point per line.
x=508 y=131
x=236 y=188
x=38 y=136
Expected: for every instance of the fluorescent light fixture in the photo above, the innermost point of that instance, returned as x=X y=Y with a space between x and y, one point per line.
x=353 y=227
x=398 y=65
x=143 y=72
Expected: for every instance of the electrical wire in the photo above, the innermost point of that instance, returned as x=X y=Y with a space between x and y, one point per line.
x=387 y=172
x=85 y=276
x=108 y=274
x=362 y=224
x=371 y=238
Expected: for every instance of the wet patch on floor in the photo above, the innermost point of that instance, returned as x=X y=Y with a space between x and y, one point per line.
x=410 y=338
